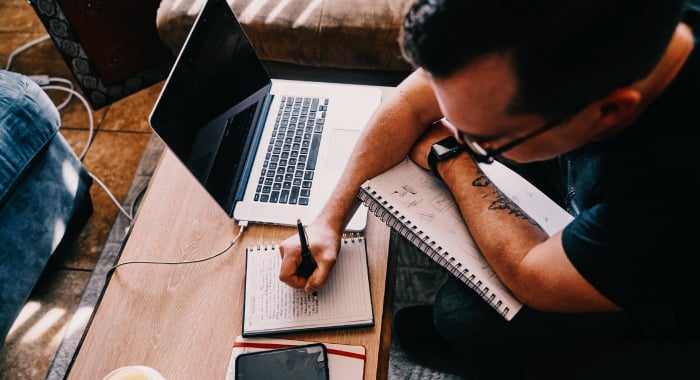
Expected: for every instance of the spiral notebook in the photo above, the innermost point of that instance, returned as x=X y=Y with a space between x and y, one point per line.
x=418 y=206
x=271 y=306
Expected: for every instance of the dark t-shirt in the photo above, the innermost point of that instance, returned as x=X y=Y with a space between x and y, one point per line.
x=636 y=235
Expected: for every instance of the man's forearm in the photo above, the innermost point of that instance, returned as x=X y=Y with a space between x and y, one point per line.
x=502 y=230
x=390 y=133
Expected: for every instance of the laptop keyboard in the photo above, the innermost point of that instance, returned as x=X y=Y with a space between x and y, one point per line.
x=290 y=161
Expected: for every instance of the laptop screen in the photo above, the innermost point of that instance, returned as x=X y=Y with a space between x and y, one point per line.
x=216 y=69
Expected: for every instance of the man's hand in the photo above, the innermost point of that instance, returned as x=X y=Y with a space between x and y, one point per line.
x=421 y=149
x=324 y=244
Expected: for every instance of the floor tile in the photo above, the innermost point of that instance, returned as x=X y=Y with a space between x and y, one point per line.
x=18 y=16
x=131 y=113
x=35 y=336
x=75 y=114
x=41 y=58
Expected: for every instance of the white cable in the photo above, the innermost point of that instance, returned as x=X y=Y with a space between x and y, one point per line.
x=89 y=112
x=70 y=95
x=89 y=141
x=46 y=84
x=41 y=80
x=114 y=199
x=71 y=91
x=23 y=48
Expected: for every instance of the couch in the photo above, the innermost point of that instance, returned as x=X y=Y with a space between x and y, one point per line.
x=350 y=36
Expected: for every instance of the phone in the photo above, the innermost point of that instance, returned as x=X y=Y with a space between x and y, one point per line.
x=305 y=362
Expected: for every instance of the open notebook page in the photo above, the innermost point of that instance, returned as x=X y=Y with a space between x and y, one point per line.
x=272 y=306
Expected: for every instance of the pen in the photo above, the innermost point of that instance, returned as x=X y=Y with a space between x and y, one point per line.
x=308 y=264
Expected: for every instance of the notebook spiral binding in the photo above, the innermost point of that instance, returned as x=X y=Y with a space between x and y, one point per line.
x=398 y=222
x=263 y=246
x=346 y=237
x=351 y=237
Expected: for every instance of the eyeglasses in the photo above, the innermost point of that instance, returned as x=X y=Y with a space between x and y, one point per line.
x=487 y=155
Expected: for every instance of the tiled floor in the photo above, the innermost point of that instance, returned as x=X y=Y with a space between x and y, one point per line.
x=122 y=133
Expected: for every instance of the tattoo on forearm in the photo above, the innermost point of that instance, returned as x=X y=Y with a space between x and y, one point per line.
x=501 y=201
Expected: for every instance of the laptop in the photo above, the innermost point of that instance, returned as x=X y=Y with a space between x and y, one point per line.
x=267 y=151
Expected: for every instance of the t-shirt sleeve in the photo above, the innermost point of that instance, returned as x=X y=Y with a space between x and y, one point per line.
x=633 y=259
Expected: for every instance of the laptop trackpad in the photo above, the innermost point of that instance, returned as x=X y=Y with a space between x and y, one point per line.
x=342 y=143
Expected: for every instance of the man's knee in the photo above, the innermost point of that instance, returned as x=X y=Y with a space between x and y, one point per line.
x=28 y=122
x=21 y=98
x=463 y=318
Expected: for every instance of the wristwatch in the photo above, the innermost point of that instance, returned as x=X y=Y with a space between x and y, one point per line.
x=441 y=151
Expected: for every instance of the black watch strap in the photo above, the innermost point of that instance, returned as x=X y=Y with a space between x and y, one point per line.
x=443 y=150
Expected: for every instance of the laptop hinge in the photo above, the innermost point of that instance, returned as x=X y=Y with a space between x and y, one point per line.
x=255 y=142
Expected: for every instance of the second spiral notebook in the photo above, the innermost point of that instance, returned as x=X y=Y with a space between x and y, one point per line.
x=418 y=206
x=271 y=306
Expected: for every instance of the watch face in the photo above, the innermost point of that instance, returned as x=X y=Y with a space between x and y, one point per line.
x=447 y=146
x=442 y=150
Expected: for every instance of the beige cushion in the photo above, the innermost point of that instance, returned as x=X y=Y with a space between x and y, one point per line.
x=353 y=34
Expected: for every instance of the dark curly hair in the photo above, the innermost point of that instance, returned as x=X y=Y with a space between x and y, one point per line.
x=566 y=53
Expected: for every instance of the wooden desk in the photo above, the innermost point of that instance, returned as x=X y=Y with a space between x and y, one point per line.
x=182 y=319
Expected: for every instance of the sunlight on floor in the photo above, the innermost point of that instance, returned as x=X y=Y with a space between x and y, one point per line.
x=80 y=318
x=29 y=309
x=46 y=322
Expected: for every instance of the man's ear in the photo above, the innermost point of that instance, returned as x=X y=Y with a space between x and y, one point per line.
x=618 y=107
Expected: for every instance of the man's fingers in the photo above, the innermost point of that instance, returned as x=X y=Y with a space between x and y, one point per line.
x=288 y=271
x=317 y=279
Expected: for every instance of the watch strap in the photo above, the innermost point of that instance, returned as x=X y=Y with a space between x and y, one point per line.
x=441 y=151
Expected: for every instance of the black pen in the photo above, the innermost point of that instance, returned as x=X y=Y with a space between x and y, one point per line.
x=308 y=264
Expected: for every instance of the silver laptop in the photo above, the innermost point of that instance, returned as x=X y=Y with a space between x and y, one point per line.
x=267 y=151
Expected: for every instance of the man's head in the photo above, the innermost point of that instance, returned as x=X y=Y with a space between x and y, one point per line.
x=537 y=61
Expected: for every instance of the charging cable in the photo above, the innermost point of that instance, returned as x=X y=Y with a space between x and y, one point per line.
x=23 y=48
x=61 y=84
x=241 y=227
x=40 y=80
x=87 y=108
x=112 y=197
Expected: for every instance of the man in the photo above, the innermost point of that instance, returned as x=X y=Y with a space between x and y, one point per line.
x=596 y=102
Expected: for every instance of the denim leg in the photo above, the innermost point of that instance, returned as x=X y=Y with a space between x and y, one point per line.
x=42 y=183
x=470 y=324
x=28 y=121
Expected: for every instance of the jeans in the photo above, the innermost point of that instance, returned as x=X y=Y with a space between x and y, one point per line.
x=42 y=184
x=470 y=324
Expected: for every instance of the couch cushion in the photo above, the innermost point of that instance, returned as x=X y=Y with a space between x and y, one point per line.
x=357 y=34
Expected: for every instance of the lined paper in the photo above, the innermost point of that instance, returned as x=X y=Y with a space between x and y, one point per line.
x=272 y=306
